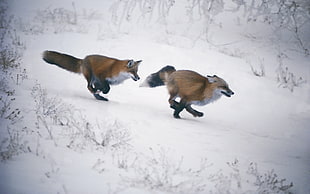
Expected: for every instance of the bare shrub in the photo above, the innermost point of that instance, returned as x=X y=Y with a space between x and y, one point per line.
x=157 y=10
x=260 y=71
x=285 y=78
x=268 y=182
x=116 y=135
x=6 y=106
x=197 y=14
x=104 y=136
x=124 y=158
x=58 y=20
x=52 y=111
x=11 y=46
x=14 y=144
x=159 y=172
x=290 y=15
x=202 y=13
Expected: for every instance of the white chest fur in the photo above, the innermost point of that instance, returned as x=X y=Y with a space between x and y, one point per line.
x=119 y=78
x=216 y=95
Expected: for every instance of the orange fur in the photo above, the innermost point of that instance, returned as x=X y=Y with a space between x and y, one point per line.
x=99 y=71
x=190 y=87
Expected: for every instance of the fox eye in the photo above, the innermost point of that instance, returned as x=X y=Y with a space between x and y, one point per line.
x=224 y=87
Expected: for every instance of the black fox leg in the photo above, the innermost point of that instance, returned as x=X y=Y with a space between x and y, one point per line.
x=104 y=87
x=179 y=107
x=91 y=88
x=100 y=86
x=194 y=112
x=177 y=110
x=173 y=104
x=89 y=79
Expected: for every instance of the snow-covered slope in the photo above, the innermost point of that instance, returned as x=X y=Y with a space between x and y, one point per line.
x=132 y=143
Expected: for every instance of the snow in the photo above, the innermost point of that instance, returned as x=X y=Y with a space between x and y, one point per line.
x=262 y=123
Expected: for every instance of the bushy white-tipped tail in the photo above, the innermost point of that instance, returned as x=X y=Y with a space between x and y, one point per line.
x=145 y=83
x=159 y=78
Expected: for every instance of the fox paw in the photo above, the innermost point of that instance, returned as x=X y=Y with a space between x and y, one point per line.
x=198 y=114
x=98 y=97
x=177 y=116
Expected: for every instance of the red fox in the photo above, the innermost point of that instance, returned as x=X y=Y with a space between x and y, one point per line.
x=190 y=87
x=99 y=71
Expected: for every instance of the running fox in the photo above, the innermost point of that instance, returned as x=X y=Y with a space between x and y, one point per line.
x=99 y=71
x=191 y=87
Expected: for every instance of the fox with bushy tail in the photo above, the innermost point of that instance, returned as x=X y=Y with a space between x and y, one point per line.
x=99 y=71
x=190 y=87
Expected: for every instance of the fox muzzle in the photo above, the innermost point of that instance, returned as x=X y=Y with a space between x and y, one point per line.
x=228 y=93
x=135 y=78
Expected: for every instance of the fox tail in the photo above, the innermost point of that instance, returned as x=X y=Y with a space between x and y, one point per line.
x=64 y=61
x=158 y=78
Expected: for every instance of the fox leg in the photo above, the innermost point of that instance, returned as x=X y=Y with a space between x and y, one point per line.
x=90 y=87
x=94 y=86
x=89 y=78
x=179 y=108
x=173 y=104
x=194 y=112
x=177 y=111
x=100 y=86
x=104 y=87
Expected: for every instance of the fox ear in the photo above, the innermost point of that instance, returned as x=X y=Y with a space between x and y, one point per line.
x=130 y=63
x=138 y=62
x=211 y=79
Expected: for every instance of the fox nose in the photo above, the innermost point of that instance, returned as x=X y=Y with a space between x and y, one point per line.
x=135 y=78
x=232 y=93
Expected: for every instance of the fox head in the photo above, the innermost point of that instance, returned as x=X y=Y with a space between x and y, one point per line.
x=220 y=85
x=132 y=69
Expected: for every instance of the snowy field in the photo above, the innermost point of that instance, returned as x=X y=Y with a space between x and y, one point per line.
x=57 y=138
